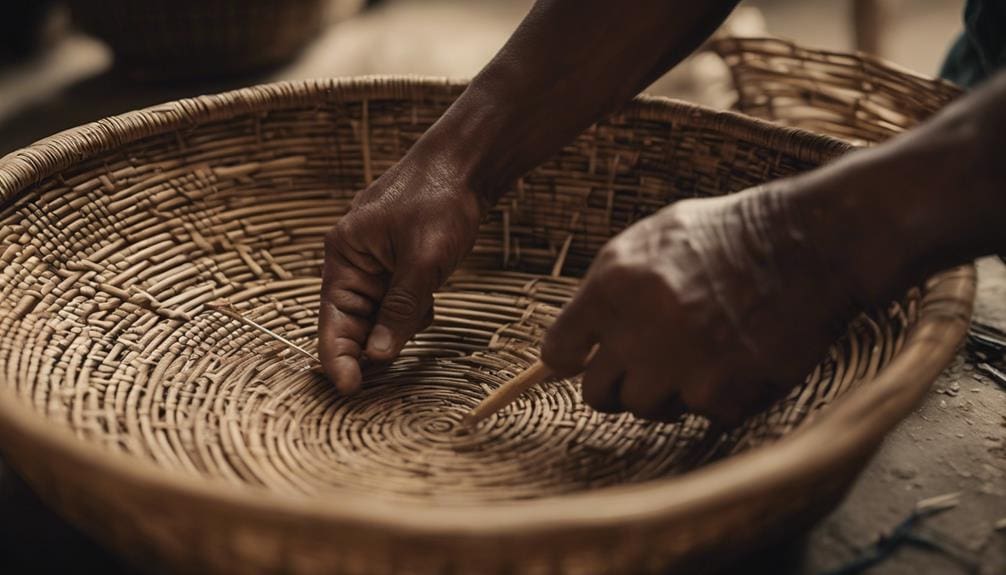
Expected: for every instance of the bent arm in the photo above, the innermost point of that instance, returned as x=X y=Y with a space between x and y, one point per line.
x=929 y=199
x=567 y=64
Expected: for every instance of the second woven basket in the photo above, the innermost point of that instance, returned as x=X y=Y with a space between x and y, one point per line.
x=185 y=440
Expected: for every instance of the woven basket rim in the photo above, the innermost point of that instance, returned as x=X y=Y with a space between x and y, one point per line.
x=863 y=57
x=46 y=157
x=851 y=427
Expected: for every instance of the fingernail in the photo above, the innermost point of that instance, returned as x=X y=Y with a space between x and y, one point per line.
x=380 y=339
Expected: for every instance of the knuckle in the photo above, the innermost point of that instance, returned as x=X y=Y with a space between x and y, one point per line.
x=335 y=237
x=348 y=326
x=613 y=259
x=678 y=214
x=431 y=262
x=400 y=304
x=620 y=262
x=624 y=278
x=349 y=302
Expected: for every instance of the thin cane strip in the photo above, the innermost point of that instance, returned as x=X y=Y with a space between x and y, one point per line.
x=227 y=309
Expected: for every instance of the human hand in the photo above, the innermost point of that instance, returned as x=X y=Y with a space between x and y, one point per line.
x=716 y=306
x=383 y=260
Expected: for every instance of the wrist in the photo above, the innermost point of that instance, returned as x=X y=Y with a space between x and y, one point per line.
x=890 y=216
x=469 y=138
x=860 y=244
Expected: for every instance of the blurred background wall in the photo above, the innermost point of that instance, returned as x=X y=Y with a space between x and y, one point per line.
x=67 y=77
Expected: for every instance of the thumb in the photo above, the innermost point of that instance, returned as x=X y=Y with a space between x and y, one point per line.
x=404 y=311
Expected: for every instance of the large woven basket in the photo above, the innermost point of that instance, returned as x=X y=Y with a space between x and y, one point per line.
x=188 y=441
x=856 y=97
x=180 y=39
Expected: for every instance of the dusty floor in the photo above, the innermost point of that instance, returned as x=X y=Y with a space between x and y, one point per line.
x=955 y=442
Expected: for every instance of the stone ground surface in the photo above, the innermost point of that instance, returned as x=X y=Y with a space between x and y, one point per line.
x=955 y=442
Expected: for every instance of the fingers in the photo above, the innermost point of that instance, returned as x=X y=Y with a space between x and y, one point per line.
x=609 y=387
x=602 y=382
x=647 y=392
x=746 y=397
x=350 y=289
x=355 y=297
x=569 y=341
x=673 y=409
x=404 y=311
x=347 y=301
x=339 y=337
x=345 y=275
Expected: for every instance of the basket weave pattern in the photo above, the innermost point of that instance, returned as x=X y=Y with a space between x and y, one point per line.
x=855 y=97
x=115 y=237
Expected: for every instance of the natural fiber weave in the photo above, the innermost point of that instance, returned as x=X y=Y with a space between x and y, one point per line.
x=180 y=39
x=856 y=97
x=214 y=448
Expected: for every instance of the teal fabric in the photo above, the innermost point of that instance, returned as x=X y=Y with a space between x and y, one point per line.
x=981 y=49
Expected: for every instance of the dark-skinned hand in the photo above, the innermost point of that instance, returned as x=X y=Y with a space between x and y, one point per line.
x=401 y=239
x=716 y=306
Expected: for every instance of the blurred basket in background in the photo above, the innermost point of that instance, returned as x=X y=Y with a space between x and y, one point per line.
x=856 y=97
x=181 y=39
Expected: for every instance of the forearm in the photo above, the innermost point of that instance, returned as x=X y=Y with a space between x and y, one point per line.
x=569 y=63
x=932 y=198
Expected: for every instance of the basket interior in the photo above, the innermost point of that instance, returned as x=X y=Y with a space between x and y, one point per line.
x=109 y=264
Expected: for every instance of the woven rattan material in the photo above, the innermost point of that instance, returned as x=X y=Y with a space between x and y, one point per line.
x=117 y=238
x=856 y=97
